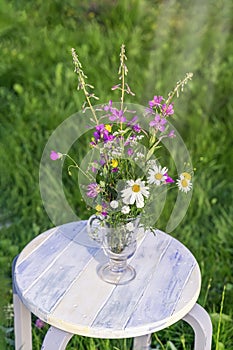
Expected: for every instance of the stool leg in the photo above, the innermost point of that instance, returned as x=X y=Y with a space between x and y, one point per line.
x=142 y=343
x=56 y=339
x=22 y=320
x=200 y=321
x=22 y=325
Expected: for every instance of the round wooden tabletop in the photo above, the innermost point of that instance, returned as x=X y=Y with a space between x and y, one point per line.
x=55 y=277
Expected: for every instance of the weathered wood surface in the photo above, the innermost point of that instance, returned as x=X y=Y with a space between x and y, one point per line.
x=56 y=279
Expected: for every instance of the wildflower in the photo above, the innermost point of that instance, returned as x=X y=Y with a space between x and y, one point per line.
x=125 y=209
x=158 y=123
x=167 y=110
x=135 y=192
x=117 y=115
x=114 y=204
x=115 y=170
x=55 y=155
x=171 y=134
x=136 y=128
x=168 y=179
x=102 y=133
x=99 y=208
x=108 y=127
x=184 y=182
x=109 y=106
x=93 y=190
x=130 y=152
x=132 y=121
x=114 y=163
x=157 y=175
x=39 y=323
x=156 y=101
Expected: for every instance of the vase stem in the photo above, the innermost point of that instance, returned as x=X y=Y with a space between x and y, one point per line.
x=118 y=266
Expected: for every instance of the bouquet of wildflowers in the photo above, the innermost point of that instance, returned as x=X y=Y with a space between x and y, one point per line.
x=123 y=171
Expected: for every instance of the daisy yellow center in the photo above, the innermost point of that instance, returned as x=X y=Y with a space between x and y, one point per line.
x=158 y=176
x=135 y=188
x=187 y=176
x=184 y=183
x=114 y=163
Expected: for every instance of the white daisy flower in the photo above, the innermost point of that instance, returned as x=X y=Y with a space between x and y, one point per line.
x=114 y=204
x=157 y=175
x=184 y=182
x=125 y=209
x=135 y=192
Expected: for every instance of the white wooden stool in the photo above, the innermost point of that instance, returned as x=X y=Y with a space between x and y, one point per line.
x=55 y=278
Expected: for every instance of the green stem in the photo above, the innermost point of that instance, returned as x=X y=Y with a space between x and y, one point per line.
x=77 y=166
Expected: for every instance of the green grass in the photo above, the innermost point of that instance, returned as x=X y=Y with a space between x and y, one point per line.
x=164 y=40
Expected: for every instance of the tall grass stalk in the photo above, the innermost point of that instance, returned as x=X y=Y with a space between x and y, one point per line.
x=220 y=318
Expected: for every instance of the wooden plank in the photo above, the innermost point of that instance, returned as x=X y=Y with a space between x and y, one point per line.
x=80 y=305
x=121 y=304
x=160 y=299
x=48 y=289
x=43 y=256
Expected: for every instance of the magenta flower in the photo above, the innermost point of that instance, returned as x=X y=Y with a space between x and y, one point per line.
x=55 y=155
x=156 y=101
x=115 y=170
x=167 y=110
x=39 y=323
x=93 y=190
x=158 y=123
x=136 y=128
x=168 y=179
x=102 y=134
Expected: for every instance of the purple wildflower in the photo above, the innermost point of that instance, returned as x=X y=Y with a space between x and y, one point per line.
x=167 y=110
x=55 y=155
x=117 y=115
x=168 y=179
x=109 y=106
x=115 y=170
x=171 y=134
x=132 y=121
x=158 y=123
x=93 y=190
x=102 y=133
x=136 y=128
x=102 y=161
x=39 y=323
x=156 y=101
x=130 y=152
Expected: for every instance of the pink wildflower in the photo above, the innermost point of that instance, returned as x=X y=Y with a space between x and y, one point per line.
x=93 y=190
x=39 y=323
x=156 y=101
x=55 y=155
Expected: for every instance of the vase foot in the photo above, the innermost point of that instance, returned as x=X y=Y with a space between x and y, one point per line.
x=107 y=274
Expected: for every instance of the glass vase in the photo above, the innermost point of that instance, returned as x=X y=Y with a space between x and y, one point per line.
x=119 y=243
